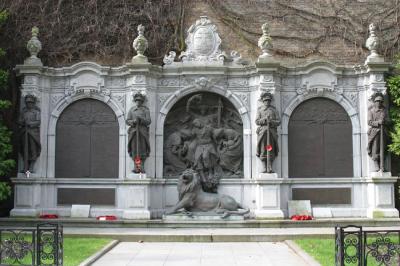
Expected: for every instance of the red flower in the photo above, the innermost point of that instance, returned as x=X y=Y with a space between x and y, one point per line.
x=137 y=160
x=48 y=216
x=106 y=218
x=301 y=217
x=268 y=147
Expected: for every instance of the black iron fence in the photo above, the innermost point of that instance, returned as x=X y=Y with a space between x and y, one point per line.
x=357 y=247
x=41 y=245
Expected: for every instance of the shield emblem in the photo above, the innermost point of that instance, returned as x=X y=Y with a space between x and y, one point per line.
x=203 y=41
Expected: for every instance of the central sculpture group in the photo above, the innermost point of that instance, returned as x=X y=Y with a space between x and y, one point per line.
x=203 y=132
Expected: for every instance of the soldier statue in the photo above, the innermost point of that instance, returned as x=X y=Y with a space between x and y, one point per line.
x=138 y=121
x=29 y=133
x=377 y=134
x=267 y=134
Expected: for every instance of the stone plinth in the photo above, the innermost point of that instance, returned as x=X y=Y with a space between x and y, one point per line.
x=136 y=176
x=267 y=175
x=136 y=215
x=201 y=217
x=380 y=174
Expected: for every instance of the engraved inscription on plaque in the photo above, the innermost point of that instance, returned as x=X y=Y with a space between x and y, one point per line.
x=87 y=140
x=320 y=140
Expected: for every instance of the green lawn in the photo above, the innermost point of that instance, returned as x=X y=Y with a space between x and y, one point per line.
x=76 y=249
x=323 y=250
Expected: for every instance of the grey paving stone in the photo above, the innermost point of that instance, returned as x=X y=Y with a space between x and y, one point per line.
x=201 y=254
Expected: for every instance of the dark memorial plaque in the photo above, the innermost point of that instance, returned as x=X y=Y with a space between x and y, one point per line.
x=87 y=140
x=320 y=140
x=323 y=195
x=92 y=196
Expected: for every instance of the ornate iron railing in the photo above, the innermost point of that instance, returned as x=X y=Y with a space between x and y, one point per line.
x=42 y=245
x=357 y=247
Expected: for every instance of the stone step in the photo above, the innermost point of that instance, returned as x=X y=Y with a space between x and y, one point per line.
x=93 y=223
x=207 y=234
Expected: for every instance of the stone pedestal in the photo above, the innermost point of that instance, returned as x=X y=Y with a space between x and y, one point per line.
x=267 y=176
x=380 y=174
x=136 y=176
x=381 y=196
x=202 y=217
x=377 y=213
x=374 y=59
x=139 y=59
x=136 y=214
x=24 y=212
x=322 y=213
x=269 y=214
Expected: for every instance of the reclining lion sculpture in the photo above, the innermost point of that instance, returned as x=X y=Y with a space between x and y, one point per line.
x=192 y=198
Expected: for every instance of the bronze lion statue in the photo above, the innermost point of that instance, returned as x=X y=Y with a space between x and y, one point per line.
x=192 y=198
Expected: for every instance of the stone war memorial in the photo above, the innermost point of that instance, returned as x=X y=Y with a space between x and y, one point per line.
x=208 y=134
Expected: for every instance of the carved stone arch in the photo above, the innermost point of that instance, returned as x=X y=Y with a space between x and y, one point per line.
x=86 y=66
x=232 y=98
x=349 y=109
x=67 y=101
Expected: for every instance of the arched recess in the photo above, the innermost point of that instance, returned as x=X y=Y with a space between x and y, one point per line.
x=114 y=109
x=354 y=123
x=87 y=141
x=233 y=99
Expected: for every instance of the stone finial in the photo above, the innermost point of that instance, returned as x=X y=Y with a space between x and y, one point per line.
x=372 y=44
x=265 y=42
x=34 y=46
x=140 y=45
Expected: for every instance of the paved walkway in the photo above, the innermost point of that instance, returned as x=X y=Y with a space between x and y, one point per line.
x=204 y=254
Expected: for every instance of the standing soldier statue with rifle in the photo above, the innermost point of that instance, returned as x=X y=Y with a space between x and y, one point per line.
x=267 y=134
x=29 y=133
x=377 y=135
x=138 y=121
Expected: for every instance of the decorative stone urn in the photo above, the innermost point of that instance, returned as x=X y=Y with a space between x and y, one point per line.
x=140 y=45
x=265 y=42
x=34 y=46
x=372 y=44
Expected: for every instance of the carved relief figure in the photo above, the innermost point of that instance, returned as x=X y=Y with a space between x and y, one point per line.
x=29 y=122
x=204 y=132
x=198 y=109
x=192 y=198
x=378 y=119
x=175 y=153
x=138 y=140
x=231 y=150
x=267 y=135
x=205 y=156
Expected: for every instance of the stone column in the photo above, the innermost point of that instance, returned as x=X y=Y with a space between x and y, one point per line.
x=268 y=82
x=379 y=185
x=268 y=188
x=139 y=81
x=27 y=194
x=134 y=198
x=373 y=82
